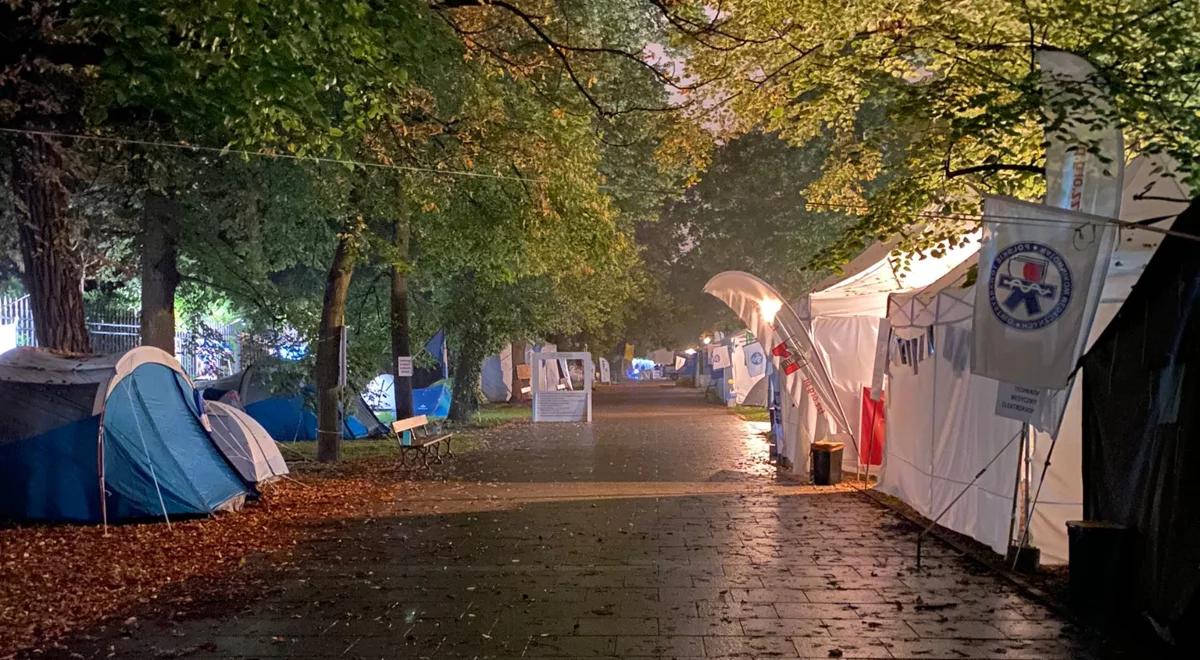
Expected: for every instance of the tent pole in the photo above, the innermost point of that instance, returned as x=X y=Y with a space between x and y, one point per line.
x=100 y=465
x=1026 y=477
x=1012 y=519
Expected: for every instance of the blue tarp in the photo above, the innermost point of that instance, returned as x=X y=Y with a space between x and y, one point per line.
x=433 y=401
x=156 y=456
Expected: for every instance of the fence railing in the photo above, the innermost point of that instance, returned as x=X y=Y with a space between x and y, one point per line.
x=203 y=354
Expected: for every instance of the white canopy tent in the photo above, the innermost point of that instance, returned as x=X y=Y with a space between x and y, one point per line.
x=746 y=375
x=942 y=427
x=846 y=316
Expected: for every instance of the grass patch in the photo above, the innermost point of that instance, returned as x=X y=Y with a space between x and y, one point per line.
x=496 y=414
x=752 y=413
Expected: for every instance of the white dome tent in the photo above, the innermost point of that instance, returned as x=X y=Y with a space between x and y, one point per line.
x=245 y=443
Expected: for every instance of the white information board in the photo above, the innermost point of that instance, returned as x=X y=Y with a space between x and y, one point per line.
x=404 y=367
x=553 y=405
x=605 y=371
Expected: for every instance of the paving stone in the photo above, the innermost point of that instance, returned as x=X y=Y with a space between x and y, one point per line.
x=657 y=646
x=659 y=530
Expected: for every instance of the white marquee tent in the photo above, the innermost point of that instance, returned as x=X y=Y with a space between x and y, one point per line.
x=942 y=427
x=846 y=315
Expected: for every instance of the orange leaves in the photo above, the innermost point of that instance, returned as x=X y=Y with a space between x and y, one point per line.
x=56 y=579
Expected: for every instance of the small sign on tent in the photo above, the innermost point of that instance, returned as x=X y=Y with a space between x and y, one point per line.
x=720 y=357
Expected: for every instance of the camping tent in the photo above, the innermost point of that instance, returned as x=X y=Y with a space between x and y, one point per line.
x=283 y=408
x=433 y=401
x=245 y=443
x=495 y=377
x=128 y=424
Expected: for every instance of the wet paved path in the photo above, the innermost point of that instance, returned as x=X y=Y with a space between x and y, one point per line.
x=657 y=531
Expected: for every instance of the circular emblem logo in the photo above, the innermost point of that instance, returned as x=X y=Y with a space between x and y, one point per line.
x=756 y=359
x=1029 y=286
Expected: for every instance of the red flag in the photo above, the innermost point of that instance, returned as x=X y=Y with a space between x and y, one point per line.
x=781 y=351
x=790 y=365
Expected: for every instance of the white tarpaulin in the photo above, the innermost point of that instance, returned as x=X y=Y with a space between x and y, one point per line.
x=1039 y=283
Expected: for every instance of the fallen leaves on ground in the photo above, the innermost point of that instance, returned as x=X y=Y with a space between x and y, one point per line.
x=56 y=579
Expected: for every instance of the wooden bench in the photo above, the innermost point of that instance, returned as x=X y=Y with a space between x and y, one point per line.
x=423 y=447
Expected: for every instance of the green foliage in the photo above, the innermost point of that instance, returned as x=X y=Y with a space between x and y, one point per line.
x=961 y=102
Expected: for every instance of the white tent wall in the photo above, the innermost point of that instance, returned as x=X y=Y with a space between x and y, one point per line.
x=495 y=378
x=743 y=382
x=942 y=428
x=847 y=343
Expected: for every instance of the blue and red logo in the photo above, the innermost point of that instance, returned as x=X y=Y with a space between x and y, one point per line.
x=1029 y=286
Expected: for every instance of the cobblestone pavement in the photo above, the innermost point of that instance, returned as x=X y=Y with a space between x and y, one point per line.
x=657 y=531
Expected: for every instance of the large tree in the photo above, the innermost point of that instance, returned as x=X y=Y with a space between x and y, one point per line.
x=956 y=83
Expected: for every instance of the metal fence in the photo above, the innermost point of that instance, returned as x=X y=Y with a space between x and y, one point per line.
x=203 y=353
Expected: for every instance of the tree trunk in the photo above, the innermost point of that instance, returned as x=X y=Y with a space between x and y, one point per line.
x=517 y=358
x=468 y=362
x=333 y=318
x=401 y=340
x=160 y=270
x=53 y=271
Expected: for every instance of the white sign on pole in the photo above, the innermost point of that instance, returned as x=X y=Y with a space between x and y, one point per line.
x=1017 y=402
x=404 y=366
x=605 y=371
x=1039 y=284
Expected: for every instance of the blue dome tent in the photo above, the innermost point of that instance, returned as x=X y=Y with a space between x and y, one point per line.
x=283 y=409
x=115 y=437
x=431 y=401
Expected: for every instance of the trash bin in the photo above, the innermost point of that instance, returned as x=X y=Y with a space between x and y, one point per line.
x=827 y=463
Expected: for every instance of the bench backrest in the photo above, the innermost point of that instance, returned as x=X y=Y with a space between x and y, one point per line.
x=408 y=424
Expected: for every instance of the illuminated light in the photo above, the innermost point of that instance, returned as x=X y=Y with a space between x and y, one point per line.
x=769 y=308
x=690 y=351
x=707 y=341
